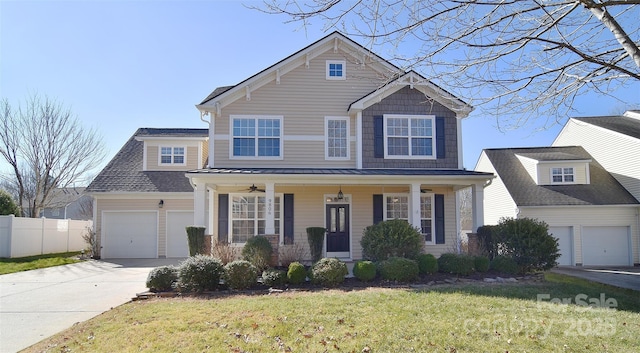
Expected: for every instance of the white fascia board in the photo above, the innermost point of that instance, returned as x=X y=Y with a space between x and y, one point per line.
x=140 y=195
x=171 y=138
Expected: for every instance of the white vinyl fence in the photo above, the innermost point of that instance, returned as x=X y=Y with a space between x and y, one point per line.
x=21 y=236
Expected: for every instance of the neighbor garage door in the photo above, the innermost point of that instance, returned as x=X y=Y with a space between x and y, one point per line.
x=177 y=245
x=130 y=234
x=565 y=245
x=605 y=246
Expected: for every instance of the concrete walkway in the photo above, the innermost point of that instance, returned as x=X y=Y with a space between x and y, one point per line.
x=623 y=277
x=40 y=303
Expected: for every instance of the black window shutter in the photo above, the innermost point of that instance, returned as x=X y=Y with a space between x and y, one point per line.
x=439 y=209
x=378 y=136
x=440 y=149
x=223 y=217
x=288 y=219
x=378 y=209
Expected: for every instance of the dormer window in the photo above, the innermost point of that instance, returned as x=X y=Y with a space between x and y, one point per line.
x=336 y=70
x=562 y=175
x=172 y=155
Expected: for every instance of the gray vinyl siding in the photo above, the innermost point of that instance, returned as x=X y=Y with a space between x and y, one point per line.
x=409 y=101
x=303 y=98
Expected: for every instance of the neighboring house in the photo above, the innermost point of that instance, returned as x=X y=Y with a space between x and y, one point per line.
x=332 y=136
x=613 y=140
x=68 y=203
x=593 y=216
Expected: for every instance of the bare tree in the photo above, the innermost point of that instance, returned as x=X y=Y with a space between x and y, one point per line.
x=46 y=148
x=514 y=59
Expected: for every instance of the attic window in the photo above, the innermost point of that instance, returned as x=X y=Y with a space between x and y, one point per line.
x=172 y=155
x=336 y=69
x=562 y=175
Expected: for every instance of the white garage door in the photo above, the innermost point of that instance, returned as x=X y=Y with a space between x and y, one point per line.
x=177 y=244
x=605 y=246
x=565 y=245
x=130 y=235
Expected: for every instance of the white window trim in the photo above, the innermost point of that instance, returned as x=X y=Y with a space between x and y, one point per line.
x=402 y=116
x=256 y=117
x=230 y=225
x=563 y=175
x=344 y=70
x=433 y=223
x=160 y=147
x=326 y=138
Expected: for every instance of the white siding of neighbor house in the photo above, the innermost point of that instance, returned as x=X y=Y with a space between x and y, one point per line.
x=587 y=216
x=579 y=171
x=616 y=152
x=498 y=202
x=145 y=203
x=303 y=98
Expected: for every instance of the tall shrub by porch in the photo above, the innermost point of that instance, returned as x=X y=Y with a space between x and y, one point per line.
x=195 y=236
x=315 y=236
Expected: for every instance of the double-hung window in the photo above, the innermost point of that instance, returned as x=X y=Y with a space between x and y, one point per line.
x=248 y=216
x=337 y=138
x=172 y=155
x=562 y=175
x=256 y=137
x=396 y=206
x=409 y=136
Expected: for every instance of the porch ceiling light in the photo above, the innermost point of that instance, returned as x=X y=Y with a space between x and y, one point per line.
x=340 y=194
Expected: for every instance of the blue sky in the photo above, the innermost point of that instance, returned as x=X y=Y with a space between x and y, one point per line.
x=121 y=65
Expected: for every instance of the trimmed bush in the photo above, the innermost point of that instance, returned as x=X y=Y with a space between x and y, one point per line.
x=200 y=273
x=486 y=240
x=364 y=270
x=428 y=264
x=240 y=274
x=195 y=237
x=7 y=205
x=258 y=251
x=329 y=272
x=315 y=236
x=296 y=274
x=161 y=279
x=393 y=238
x=504 y=264
x=456 y=264
x=399 y=269
x=481 y=263
x=274 y=278
x=528 y=242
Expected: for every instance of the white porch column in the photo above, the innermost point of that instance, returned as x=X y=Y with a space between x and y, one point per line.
x=414 y=202
x=477 y=203
x=270 y=220
x=211 y=191
x=358 y=140
x=199 y=200
x=212 y=142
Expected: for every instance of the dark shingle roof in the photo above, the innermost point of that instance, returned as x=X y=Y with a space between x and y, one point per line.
x=622 y=124
x=603 y=189
x=124 y=172
x=330 y=171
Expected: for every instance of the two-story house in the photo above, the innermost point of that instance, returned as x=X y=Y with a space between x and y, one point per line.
x=332 y=136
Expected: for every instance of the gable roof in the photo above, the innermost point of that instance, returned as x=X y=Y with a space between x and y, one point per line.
x=622 y=124
x=222 y=96
x=603 y=189
x=124 y=172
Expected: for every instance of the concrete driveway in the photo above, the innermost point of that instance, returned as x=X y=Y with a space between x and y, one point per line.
x=623 y=277
x=40 y=303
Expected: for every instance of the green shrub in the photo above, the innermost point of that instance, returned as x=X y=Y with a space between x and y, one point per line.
x=195 y=238
x=274 y=278
x=200 y=273
x=457 y=264
x=481 y=263
x=427 y=263
x=527 y=241
x=364 y=270
x=161 y=279
x=393 y=238
x=240 y=274
x=486 y=240
x=399 y=269
x=315 y=236
x=296 y=274
x=504 y=264
x=258 y=251
x=329 y=272
x=7 y=205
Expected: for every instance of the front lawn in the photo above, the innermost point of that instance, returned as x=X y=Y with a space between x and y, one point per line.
x=35 y=262
x=458 y=318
